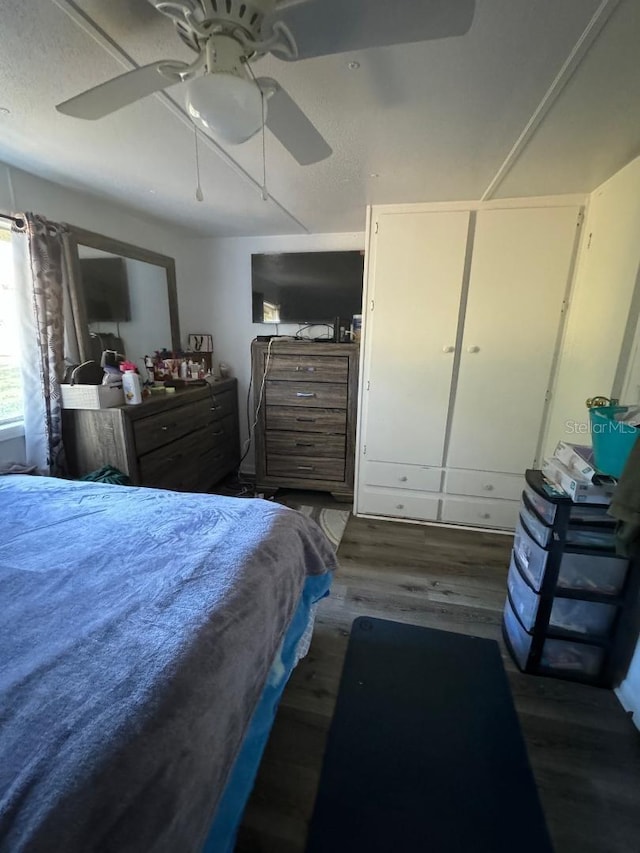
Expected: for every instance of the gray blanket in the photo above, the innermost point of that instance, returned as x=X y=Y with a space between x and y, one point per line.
x=137 y=630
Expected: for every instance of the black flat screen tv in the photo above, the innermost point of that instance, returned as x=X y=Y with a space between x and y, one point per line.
x=306 y=287
x=106 y=289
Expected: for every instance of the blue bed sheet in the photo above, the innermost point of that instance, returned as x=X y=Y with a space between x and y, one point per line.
x=228 y=816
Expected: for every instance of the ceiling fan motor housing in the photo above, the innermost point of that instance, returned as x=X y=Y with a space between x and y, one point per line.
x=225 y=16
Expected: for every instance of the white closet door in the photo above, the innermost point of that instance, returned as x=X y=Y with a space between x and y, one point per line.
x=417 y=269
x=519 y=273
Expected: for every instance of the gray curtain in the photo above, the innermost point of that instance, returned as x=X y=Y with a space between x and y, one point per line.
x=41 y=253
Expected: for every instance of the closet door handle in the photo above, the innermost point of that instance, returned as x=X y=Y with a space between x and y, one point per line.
x=448 y=349
x=473 y=349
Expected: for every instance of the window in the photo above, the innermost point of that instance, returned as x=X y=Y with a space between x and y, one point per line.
x=271 y=312
x=10 y=380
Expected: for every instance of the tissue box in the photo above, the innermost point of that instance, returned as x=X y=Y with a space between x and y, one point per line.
x=91 y=396
x=578 y=489
x=577 y=458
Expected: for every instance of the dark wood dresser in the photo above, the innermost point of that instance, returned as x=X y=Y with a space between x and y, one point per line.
x=305 y=435
x=188 y=440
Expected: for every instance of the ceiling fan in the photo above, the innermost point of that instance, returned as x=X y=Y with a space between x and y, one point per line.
x=224 y=97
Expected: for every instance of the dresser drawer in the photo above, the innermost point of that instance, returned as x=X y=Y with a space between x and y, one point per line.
x=222 y=431
x=398 y=504
x=481 y=513
x=222 y=403
x=292 y=418
x=320 y=446
x=317 y=368
x=484 y=484
x=302 y=467
x=188 y=463
x=402 y=476
x=164 y=427
x=321 y=395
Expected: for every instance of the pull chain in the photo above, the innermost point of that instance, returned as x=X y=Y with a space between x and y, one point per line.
x=199 y=193
x=265 y=191
x=263 y=101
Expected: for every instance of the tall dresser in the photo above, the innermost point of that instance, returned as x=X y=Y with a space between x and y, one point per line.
x=306 y=397
x=188 y=440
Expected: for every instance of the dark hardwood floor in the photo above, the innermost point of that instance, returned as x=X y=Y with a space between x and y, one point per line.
x=584 y=750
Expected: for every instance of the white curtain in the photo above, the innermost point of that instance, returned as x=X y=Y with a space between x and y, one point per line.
x=41 y=254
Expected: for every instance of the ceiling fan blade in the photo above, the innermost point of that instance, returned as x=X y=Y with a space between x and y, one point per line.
x=291 y=127
x=324 y=27
x=123 y=90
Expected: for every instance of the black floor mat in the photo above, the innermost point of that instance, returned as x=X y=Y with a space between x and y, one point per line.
x=425 y=751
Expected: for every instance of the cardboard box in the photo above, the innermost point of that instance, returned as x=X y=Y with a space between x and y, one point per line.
x=91 y=396
x=577 y=488
x=578 y=459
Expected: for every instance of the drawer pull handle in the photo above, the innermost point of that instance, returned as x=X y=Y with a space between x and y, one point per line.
x=399 y=506
x=164 y=428
x=220 y=432
x=307 y=369
x=305 y=467
x=486 y=515
x=305 y=394
x=403 y=479
x=488 y=487
x=306 y=420
x=215 y=408
x=305 y=444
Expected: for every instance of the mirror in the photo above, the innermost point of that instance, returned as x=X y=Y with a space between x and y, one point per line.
x=124 y=297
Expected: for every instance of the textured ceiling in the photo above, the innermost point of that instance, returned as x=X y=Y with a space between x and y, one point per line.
x=434 y=121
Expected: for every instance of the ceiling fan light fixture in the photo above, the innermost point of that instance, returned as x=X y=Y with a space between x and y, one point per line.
x=226 y=106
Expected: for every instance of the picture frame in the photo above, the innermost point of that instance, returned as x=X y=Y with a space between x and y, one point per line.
x=200 y=342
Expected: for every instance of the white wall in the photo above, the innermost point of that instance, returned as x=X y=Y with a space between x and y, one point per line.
x=21 y=191
x=596 y=335
x=226 y=297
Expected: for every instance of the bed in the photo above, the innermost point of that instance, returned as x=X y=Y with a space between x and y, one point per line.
x=146 y=637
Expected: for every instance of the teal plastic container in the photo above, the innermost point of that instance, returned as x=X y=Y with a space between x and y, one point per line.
x=612 y=441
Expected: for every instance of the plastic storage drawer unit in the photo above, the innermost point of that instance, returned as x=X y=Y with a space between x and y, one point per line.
x=567 y=614
x=559 y=656
x=602 y=574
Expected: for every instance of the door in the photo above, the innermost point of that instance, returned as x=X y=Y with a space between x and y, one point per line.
x=417 y=267
x=522 y=261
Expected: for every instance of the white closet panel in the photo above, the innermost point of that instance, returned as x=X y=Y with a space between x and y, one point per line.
x=417 y=271
x=519 y=273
